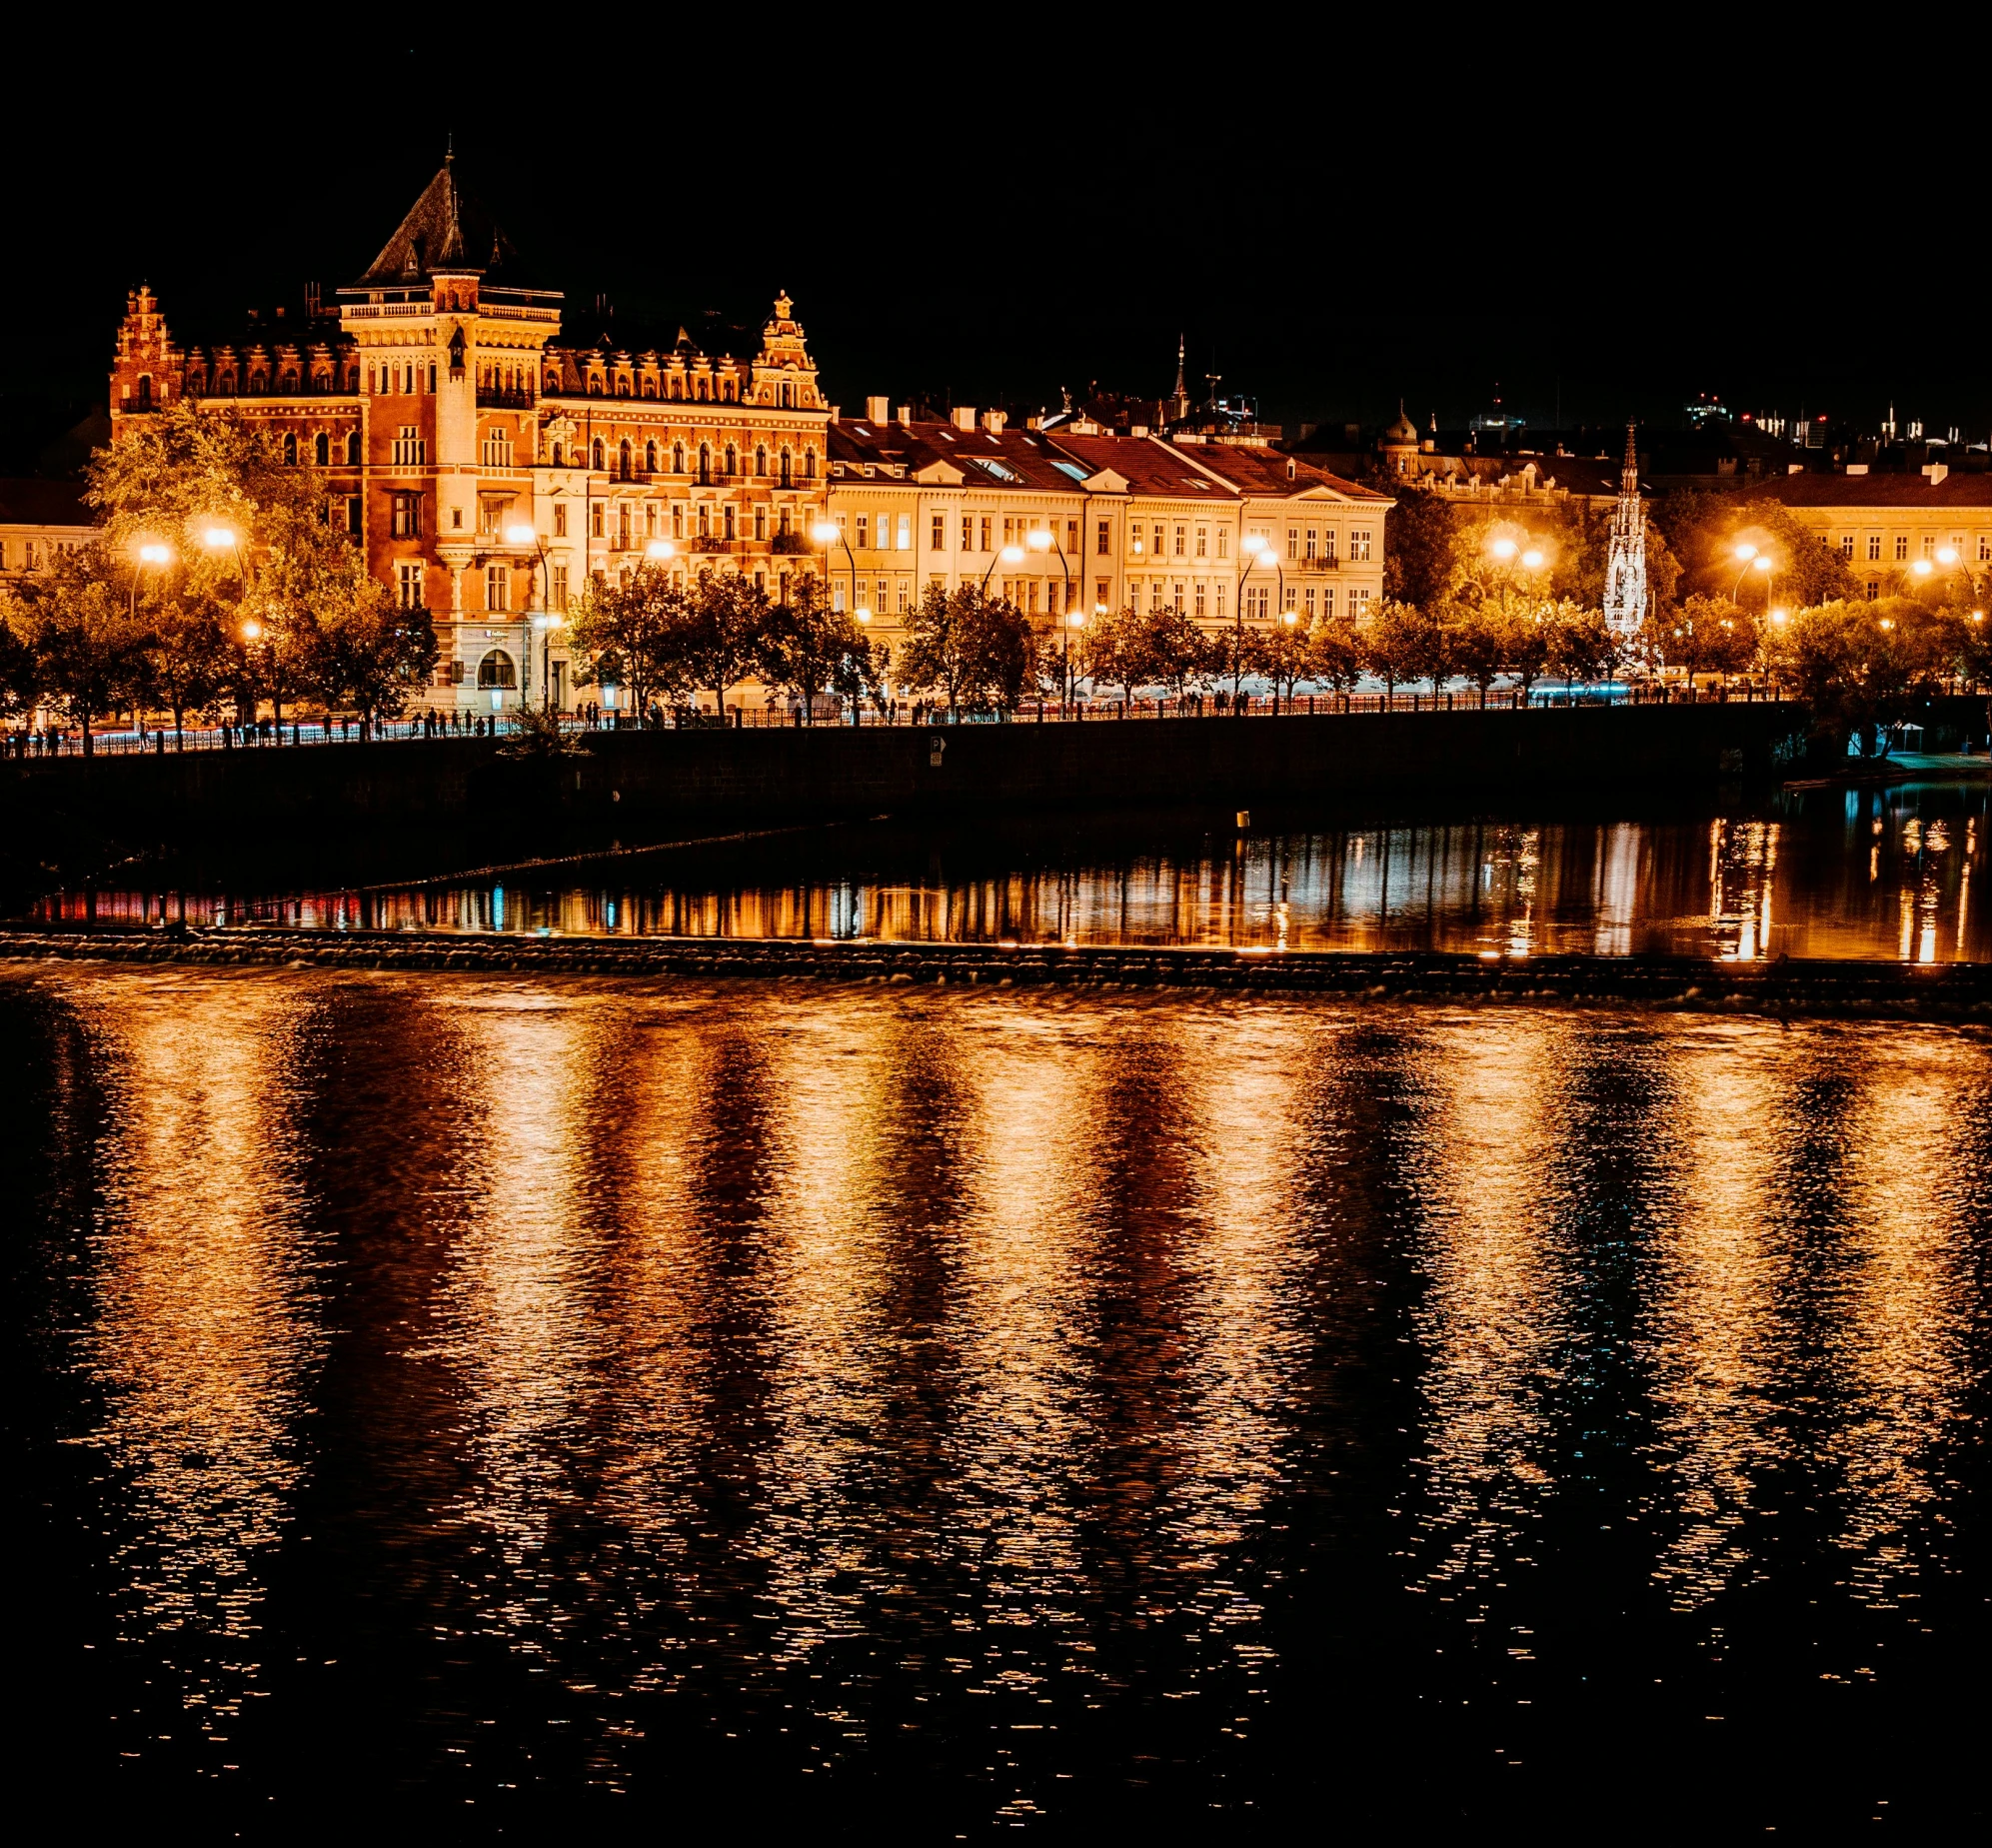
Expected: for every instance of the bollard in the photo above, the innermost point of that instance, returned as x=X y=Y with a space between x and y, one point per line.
x=1244 y=819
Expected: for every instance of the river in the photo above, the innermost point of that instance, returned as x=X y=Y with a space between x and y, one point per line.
x=650 y=1404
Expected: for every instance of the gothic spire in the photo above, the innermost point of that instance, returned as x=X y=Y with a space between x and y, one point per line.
x=1628 y=483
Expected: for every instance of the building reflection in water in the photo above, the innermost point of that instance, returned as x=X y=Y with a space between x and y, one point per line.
x=1878 y=872
x=771 y=1321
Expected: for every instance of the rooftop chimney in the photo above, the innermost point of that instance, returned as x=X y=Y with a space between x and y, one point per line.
x=878 y=410
x=962 y=416
x=903 y=414
x=993 y=422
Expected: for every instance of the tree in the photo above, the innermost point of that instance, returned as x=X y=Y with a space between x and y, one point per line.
x=978 y=651
x=1857 y=665
x=630 y=635
x=190 y=661
x=88 y=641
x=1281 y=653
x=1422 y=547
x=1706 y=635
x=1703 y=530
x=371 y=653
x=1334 y=654
x=1394 y=642
x=724 y=634
x=1105 y=653
x=1167 y=649
x=1477 y=641
x=811 y=647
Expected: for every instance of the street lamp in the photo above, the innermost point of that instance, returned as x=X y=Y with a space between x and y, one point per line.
x=659 y=550
x=828 y=532
x=1010 y=555
x=520 y=534
x=1258 y=551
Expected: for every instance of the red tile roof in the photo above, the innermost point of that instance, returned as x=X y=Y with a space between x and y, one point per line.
x=1145 y=464
x=1898 y=491
x=1263 y=472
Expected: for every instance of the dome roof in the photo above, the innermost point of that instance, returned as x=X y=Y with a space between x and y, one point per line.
x=1402 y=431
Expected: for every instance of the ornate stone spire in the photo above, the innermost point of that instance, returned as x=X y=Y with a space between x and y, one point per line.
x=1625 y=600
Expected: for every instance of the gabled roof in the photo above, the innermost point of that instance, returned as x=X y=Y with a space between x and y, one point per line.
x=1263 y=472
x=1903 y=491
x=1147 y=465
x=1015 y=459
x=446 y=229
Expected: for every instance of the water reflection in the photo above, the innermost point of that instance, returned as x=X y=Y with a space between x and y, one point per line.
x=917 y=1384
x=1884 y=874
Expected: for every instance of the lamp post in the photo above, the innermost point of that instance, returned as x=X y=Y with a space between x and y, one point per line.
x=1010 y=555
x=1257 y=552
x=828 y=532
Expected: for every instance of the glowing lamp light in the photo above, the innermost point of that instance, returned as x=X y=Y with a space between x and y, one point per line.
x=1946 y=555
x=864 y=616
x=1011 y=554
x=1253 y=544
x=825 y=532
x=661 y=548
x=251 y=630
x=1503 y=548
x=153 y=554
x=1887 y=623
x=1532 y=559
x=1038 y=539
x=1780 y=615
x=1099 y=609
x=519 y=536
x=1978 y=616
x=1136 y=548
x=1760 y=563
x=1077 y=620
x=1923 y=568
x=1746 y=552
x=1289 y=618
x=217 y=538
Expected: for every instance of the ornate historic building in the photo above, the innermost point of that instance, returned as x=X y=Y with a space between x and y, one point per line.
x=485 y=465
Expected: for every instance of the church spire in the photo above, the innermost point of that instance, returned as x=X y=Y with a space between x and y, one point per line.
x=1179 y=398
x=1628 y=481
x=1625 y=599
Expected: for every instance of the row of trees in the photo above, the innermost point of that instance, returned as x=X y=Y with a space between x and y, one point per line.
x=216 y=584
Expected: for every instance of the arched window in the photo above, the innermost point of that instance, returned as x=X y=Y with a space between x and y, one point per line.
x=698 y=390
x=705 y=462
x=553 y=382
x=733 y=460
x=290 y=449
x=649 y=388
x=787 y=396
x=626 y=467
x=601 y=457
x=787 y=475
x=353 y=449
x=322 y=450
x=145 y=393
x=759 y=459
x=650 y=458
x=622 y=388
x=678 y=458
x=809 y=465
x=595 y=388
x=677 y=388
x=258 y=384
x=496 y=669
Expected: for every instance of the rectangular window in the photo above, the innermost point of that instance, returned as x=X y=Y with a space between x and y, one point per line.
x=410 y=449
x=677 y=520
x=1179 y=542
x=1159 y=539
x=560 y=518
x=1292 y=594
x=1202 y=542
x=408 y=579
x=1359 y=549
x=1901 y=545
x=1307 y=606
x=1328 y=604
x=1072 y=537
x=1929 y=545
x=1313 y=543
x=968 y=532
x=878 y=603
x=1178 y=600
x=1873 y=547
x=761 y=522
x=1220 y=603
x=406 y=517
x=837 y=598
x=1328 y=544
x=906 y=533
x=986 y=522
x=730 y=513
x=1198 y=611
x=597 y=523
x=1358 y=604
x=1294 y=542
x=352 y=512
x=1102 y=541
x=906 y=591
x=560 y=587
x=937 y=539
x=864 y=532
x=1984 y=546
x=1224 y=541
x=497 y=588
x=1846 y=545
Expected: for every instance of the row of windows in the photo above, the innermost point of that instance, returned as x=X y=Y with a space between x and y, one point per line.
x=722 y=465
x=978 y=533
x=722 y=391
x=1928 y=546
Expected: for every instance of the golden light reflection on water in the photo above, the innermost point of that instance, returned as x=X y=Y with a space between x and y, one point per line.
x=204 y=1334
x=816 y=1307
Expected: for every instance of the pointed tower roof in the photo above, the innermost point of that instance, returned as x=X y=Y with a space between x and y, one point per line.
x=446 y=229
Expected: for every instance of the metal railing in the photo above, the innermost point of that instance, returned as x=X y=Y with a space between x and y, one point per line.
x=163 y=741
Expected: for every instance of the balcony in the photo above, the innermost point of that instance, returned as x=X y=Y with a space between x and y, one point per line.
x=496 y=398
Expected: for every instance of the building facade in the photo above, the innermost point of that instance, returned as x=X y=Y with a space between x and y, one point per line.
x=1895 y=530
x=488 y=466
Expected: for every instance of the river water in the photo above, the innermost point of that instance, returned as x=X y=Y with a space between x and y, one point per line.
x=1890 y=874
x=890 y=1412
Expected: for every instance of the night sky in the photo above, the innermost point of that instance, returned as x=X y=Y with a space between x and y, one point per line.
x=1333 y=220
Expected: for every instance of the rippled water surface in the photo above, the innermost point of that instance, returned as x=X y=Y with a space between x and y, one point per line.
x=935 y=1412
x=1895 y=873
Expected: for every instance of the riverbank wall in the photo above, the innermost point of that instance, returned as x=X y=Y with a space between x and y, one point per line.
x=1957 y=992
x=627 y=785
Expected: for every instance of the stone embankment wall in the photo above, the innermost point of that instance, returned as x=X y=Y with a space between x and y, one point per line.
x=1877 y=991
x=668 y=778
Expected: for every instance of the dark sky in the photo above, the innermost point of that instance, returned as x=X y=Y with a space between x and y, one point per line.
x=1606 y=217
